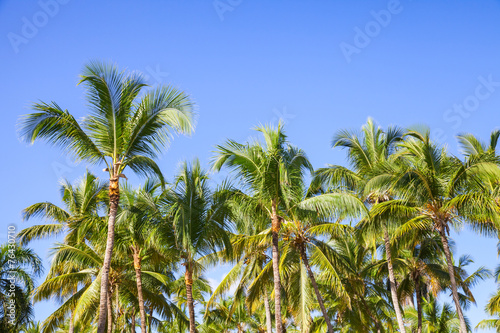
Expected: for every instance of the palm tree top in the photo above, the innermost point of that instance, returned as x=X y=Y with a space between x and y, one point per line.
x=122 y=128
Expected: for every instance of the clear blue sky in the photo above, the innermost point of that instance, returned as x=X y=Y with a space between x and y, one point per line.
x=321 y=65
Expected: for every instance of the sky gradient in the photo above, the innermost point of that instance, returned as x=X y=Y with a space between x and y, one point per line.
x=320 y=66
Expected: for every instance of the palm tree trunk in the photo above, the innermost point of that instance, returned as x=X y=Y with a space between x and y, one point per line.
x=110 y=313
x=269 y=323
x=114 y=198
x=188 y=277
x=117 y=304
x=138 y=279
x=71 y=328
x=419 y=304
x=276 y=226
x=133 y=321
x=150 y=322
x=392 y=281
x=316 y=289
x=451 y=272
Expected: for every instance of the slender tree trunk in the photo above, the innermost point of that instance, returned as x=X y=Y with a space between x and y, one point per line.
x=150 y=323
x=412 y=302
x=71 y=328
x=269 y=323
x=316 y=289
x=392 y=282
x=114 y=198
x=138 y=279
x=419 y=304
x=117 y=303
x=133 y=321
x=451 y=272
x=188 y=277
x=276 y=226
x=110 y=313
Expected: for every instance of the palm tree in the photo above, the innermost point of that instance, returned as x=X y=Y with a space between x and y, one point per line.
x=33 y=327
x=19 y=266
x=305 y=221
x=199 y=218
x=267 y=170
x=248 y=260
x=121 y=130
x=422 y=270
x=135 y=222
x=78 y=267
x=436 y=318
x=83 y=203
x=369 y=154
x=226 y=316
x=493 y=308
x=363 y=306
x=78 y=220
x=436 y=191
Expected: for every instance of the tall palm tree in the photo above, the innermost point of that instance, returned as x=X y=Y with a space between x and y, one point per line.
x=421 y=267
x=306 y=218
x=83 y=203
x=225 y=316
x=135 y=221
x=436 y=191
x=122 y=130
x=19 y=266
x=267 y=170
x=369 y=153
x=248 y=260
x=363 y=306
x=437 y=318
x=200 y=220
x=78 y=267
x=152 y=257
x=79 y=219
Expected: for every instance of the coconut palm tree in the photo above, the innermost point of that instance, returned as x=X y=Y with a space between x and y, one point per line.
x=436 y=191
x=83 y=203
x=422 y=271
x=199 y=218
x=79 y=267
x=19 y=266
x=437 y=318
x=369 y=154
x=248 y=259
x=365 y=305
x=266 y=171
x=122 y=130
x=135 y=222
x=78 y=220
x=225 y=316
x=306 y=220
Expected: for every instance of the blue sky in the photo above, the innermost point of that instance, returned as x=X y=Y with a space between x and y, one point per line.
x=321 y=66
